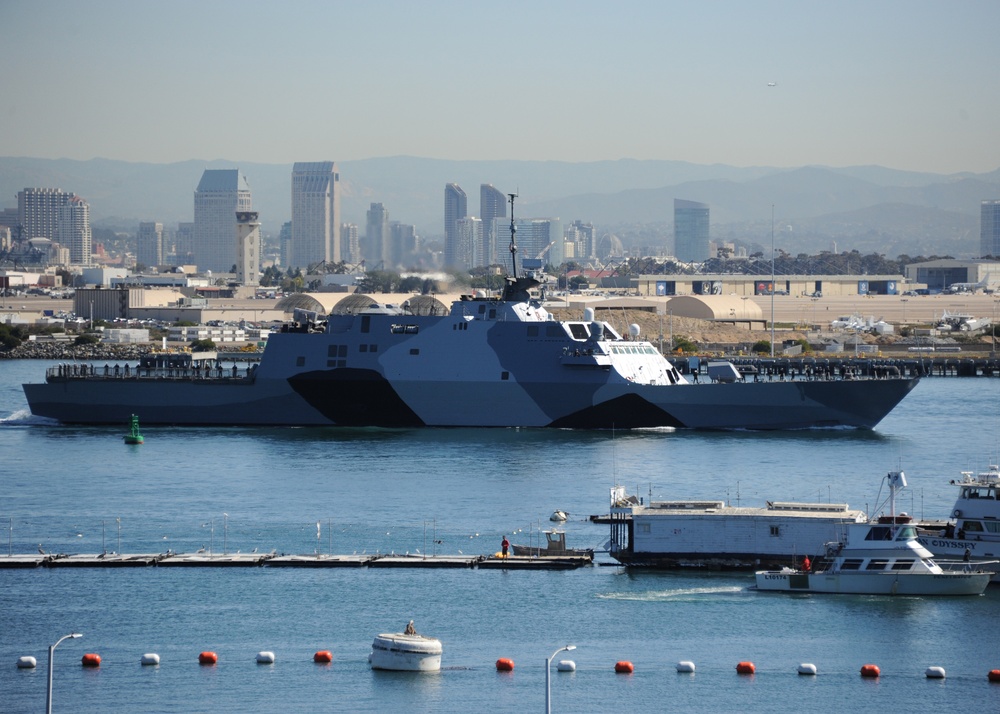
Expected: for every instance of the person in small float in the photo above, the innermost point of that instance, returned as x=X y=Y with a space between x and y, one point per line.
x=806 y=564
x=504 y=546
x=410 y=629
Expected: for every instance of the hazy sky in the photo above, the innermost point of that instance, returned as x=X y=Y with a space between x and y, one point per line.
x=905 y=84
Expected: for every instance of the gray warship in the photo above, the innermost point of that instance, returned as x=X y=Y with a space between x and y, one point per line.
x=495 y=361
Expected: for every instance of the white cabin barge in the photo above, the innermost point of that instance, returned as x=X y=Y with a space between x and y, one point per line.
x=712 y=535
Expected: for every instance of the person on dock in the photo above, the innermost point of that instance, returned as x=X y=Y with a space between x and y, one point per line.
x=504 y=546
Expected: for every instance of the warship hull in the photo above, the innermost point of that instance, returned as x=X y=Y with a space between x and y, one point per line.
x=486 y=364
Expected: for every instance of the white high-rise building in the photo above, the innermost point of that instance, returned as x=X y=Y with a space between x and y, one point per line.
x=220 y=195
x=315 y=214
x=38 y=211
x=73 y=231
x=377 y=249
x=149 y=244
x=468 y=249
x=247 y=249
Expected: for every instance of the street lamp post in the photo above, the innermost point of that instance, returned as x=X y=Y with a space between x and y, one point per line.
x=52 y=649
x=548 y=674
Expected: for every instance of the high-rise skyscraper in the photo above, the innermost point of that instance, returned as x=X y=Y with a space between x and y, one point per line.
x=149 y=244
x=468 y=243
x=184 y=244
x=377 y=249
x=247 y=249
x=350 y=247
x=690 y=230
x=38 y=211
x=586 y=240
x=220 y=195
x=989 y=229
x=539 y=238
x=492 y=204
x=315 y=213
x=455 y=207
x=73 y=231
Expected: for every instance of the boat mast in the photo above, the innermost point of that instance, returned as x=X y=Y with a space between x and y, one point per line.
x=513 y=230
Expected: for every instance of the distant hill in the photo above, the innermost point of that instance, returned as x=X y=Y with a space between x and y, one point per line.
x=886 y=209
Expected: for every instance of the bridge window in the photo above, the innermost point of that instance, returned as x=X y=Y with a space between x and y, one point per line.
x=903 y=565
x=876 y=564
x=851 y=564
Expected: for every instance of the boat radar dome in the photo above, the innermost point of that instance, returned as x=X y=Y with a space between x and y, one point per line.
x=588 y=314
x=633 y=331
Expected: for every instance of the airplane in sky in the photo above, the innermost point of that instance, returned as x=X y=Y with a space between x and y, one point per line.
x=973 y=288
x=772 y=84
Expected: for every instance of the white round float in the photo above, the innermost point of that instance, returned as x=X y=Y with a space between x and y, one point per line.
x=265 y=658
x=407 y=653
x=566 y=665
x=934 y=673
x=26 y=662
x=807 y=668
x=149 y=658
x=685 y=666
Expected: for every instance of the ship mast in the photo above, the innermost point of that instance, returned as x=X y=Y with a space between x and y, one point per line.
x=513 y=230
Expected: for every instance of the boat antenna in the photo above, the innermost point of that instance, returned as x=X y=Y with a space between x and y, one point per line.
x=513 y=230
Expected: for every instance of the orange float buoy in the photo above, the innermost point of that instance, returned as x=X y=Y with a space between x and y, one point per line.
x=624 y=667
x=870 y=670
x=745 y=668
x=208 y=658
x=91 y=660
x=323 y=657
x=994 y=675
x=505 y=664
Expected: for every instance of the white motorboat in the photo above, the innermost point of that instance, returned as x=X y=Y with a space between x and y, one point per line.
x=406 y=652
x=975 y=522
x=882 y=557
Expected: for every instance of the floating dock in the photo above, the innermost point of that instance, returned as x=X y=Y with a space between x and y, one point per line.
x=273 y=560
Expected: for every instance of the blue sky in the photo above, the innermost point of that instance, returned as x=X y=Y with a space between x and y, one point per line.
x=908 y=85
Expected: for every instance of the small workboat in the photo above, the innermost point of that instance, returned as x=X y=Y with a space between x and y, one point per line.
x=133 y=436
x=880 y=557
x=555 y=545
x=406 y=652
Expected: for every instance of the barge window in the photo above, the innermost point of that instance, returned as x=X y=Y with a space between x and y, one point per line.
x=300 y=361
x=902 y=565
x=876 y=564
x=554 y=331
x=776 y=531
x=532 y=330
x=504 y=376
x=851 y=564
x=414 y=351
x=366 y=323
x=644 y=528
x=579 y=331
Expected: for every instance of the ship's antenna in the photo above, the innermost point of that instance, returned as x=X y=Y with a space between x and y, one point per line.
x=513 y=230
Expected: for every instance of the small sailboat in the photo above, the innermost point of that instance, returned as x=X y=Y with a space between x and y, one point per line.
x=133 y=436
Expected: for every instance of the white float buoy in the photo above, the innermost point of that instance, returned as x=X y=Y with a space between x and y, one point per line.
x=935 y=673
x=150 y=658
x=807 y=668
x=566 y=665
x=685 y=666
x=26 y=662
x=265 y=658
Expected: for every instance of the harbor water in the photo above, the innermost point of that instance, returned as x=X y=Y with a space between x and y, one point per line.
x=67 y=489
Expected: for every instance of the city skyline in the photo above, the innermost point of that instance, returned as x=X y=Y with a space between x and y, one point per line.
x=905 y=85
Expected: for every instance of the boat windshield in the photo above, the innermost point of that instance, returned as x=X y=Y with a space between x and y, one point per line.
x=906 y=533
